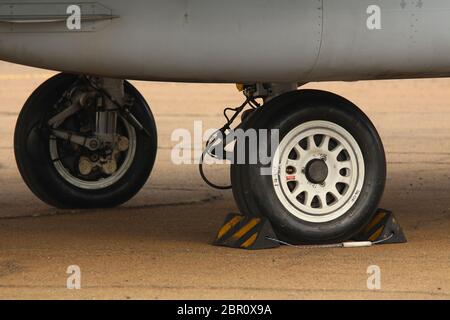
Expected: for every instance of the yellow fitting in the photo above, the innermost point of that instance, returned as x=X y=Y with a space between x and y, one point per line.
x=240 y=87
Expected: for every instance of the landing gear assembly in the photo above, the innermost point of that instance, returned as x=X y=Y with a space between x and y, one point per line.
x=328 y=172
x=85 y=142
x=88 y=142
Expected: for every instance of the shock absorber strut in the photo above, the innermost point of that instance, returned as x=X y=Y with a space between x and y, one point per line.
x=106 y=116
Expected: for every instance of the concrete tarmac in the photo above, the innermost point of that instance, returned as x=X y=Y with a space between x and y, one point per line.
x=157 y=246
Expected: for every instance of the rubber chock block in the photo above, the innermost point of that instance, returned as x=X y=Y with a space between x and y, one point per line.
x=383 y=228
x=248 y=233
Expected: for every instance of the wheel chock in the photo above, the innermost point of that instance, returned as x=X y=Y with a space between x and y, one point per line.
x=255 y=233
x=383 y=229
x=250 y=233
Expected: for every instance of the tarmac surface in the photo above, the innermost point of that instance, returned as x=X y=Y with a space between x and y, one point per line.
x=158 y=246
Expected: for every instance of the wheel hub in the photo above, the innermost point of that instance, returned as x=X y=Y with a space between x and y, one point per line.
x=316 y=171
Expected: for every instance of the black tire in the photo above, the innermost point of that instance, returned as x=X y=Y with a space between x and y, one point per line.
x=255 y=193
x=31 y=146
x=240 y=187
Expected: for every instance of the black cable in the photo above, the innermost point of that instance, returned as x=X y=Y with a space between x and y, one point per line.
x=210 y=141
x=206 y=180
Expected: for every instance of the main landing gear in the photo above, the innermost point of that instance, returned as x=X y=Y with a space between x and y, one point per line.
x=85 y=142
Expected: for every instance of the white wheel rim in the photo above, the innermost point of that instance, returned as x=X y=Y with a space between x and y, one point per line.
x=294 y=178
x=102 y=183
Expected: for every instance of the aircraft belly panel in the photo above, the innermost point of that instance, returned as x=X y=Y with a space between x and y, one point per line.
x=232 y=41
x=414 y=40
x=179 y=40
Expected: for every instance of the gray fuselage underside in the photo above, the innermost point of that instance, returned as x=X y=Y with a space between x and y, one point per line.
x=236 y=40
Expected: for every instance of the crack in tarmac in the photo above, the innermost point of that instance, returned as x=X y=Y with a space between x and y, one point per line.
x=8 y=114
x=58 y=212
x=9 y=267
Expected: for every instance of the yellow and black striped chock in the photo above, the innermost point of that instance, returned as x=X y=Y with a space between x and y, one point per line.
x=248 y=233
x=383 y=228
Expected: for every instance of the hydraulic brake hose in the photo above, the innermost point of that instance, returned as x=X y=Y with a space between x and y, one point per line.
x=249 y=101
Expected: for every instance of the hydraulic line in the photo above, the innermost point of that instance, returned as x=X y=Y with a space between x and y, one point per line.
x=218 y=137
